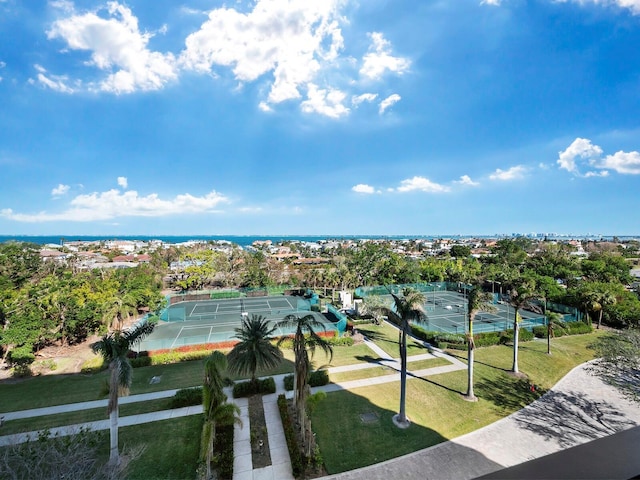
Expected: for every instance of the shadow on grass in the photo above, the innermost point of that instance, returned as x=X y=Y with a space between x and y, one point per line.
x=365 y=435
x=373 y=335
x=570 y=418
x=476 y=361
x=511 y=393
x=435 y=383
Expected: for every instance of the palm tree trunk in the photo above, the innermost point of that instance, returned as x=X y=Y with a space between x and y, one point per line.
x=470 y=393
x=114 y=456
x=402 y=415
x=516 y=333
x=599 y=318
x=548 y=336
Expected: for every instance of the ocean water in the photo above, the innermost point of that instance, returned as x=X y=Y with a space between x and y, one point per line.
x=242 y=240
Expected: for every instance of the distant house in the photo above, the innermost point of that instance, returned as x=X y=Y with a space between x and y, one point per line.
x=132 y=258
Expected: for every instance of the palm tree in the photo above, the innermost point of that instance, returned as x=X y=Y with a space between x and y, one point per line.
x=554 y=322
x=602 y=299
x=520 y=294
x=305 y=340
x=405 y=309
x=477 y=301
x=114 y=348
x=255 y=349
x=216 y=410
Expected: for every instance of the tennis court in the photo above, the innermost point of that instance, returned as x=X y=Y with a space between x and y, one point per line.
x=447 y=312
x=215 y=321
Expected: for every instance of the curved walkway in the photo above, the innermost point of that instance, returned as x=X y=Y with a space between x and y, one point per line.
x=578 y=409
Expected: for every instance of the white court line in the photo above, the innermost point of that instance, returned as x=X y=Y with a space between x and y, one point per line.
x=176 y=339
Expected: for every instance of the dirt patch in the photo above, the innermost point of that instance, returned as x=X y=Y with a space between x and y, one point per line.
x=58 y=359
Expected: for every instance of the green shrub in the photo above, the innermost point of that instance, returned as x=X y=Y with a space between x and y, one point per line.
x=288 y=382
x=486 y=339
x=297 y=463
x=524 y=335
x=141 y=362
x=318 y=378
x=244 y=389
x=186 y=397
x=223 y=452
x=341 y=341
x=540 y=331
x=577 y=328
x=314 y=399
x=21 y=358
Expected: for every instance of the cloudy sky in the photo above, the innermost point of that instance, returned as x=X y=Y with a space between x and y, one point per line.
x=390 y=117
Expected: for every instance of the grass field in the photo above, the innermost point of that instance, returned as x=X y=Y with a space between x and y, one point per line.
x=435 y=405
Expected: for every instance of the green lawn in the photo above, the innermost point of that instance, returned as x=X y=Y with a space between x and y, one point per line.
x=427 y=363
x=435 y=405
x=171 y=448
x=80 y=416
x=386 y=337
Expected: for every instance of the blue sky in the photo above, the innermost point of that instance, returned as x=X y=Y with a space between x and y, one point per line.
x=378 y=117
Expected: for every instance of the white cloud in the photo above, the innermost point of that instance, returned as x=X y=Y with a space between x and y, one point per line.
x=603 y=173
x=495 y=3
x=325 y=102
x=514 y=173
x=633 y=5
x=582 y=149
x=466 y=180
x=60 y=190
x=122 y=181
x=114 y=204
x=292 y=39
x=379 y=59
x=389 y=101
x=622 y=162
x=363 y=188
x=365 y=97
x=421 y=184
x=59 y=83
x=117 y=46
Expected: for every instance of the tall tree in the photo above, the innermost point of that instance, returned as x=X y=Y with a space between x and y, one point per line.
x=255 y=349
x=114 y=348
x=305 y=340
x=477 y=301
x=520 y=293
x=407 y=308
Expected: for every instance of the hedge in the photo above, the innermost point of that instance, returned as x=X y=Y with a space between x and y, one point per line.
x=186 y=397
x=317 y=378
x=244 y=389
x=568 y=328
x=297 y=464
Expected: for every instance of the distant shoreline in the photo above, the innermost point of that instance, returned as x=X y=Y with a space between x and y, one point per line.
x=246 y=240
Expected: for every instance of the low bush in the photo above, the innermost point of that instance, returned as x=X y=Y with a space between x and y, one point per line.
x=244 y=389
x=297 y=463
x=21 y=358
x=288 y=382
x=318 y=378
x=223 y=452
x=343 y=341
x=186 y=397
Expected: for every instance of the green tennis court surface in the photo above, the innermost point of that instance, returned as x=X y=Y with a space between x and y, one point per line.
x=214 y=321
x=447 y=313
